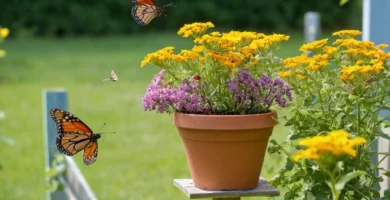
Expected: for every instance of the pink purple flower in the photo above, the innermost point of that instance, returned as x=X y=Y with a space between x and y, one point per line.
x=249 y=95
x=256 y=96
x=164 y=98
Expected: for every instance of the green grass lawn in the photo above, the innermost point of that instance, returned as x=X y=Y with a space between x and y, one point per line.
x=141 y=160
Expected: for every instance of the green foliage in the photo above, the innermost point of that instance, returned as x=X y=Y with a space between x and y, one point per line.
x=87 y=17
x=57 y=169
x=343 y=2
x=325 y=100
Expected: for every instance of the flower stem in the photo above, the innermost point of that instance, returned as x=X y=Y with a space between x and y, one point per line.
x=358 y=134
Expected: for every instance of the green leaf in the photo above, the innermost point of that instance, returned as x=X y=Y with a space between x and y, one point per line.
x=387 y=194
x=387 y=173
x=382 y=135
x=273 y=141
x=346 y=178
x=304 y=112
x=289 y=165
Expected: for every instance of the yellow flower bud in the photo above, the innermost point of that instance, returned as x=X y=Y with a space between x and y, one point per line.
x=4 y=32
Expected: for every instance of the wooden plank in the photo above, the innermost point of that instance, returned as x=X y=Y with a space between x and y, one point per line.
x=56 y=98
x=228 y=198
x=263 y=189
x=376 y=28
x=76 y=181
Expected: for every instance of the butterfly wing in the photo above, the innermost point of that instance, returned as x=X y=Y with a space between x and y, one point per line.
x=113 y=77
x=67 y=122
x=74 y=136
x=149 y=2
x=143 y=14
x=90 y=153
x=71 y=143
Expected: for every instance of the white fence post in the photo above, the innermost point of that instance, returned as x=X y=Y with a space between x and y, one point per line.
x=376 y=28
x=312 y=26
x=75 y=186
x=52 y=99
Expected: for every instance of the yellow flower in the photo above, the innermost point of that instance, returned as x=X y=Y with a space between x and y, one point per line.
x=229 y=60
x=317 y=62
x=260 y=35
x=330 y=50
x=347 y=33
x=2 y=53
x=383 y=46
x=4 y=32
x=158 y=57
x=243 y=38
x=185 y=55
x=267 y=43
x=260 y=44
x=313 y=45
x=215 y=34
x=195 y=29
x=247 y=52
x=306 y=154
x=197 y=49
x=285 y=74
x=336 y=143
x=359 y=62
x=346 y=76
x=352 y=51
x=296 y=61
x=277 y=38
x=219 y=44
x=352 y=43
x=366 y=69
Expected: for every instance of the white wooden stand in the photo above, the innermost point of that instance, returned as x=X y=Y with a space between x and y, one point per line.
x=263 y=189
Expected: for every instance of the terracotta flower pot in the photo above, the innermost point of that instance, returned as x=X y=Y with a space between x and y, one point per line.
x=225 y=152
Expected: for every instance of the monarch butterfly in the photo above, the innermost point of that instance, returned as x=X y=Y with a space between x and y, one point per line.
x=75 y=136
x=144 y=11
x=113 y=77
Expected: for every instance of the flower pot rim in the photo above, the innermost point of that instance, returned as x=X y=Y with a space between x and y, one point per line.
x=229 y=115
x=225 y=122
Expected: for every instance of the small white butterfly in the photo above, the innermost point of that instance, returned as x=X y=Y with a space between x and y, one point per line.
x=113 y=77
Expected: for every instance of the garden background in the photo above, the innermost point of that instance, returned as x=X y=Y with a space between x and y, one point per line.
x=74 y=44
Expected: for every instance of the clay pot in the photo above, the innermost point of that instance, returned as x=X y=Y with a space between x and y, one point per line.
x=225 y=152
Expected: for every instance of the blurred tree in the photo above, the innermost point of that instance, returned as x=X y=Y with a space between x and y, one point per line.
x=92 y=17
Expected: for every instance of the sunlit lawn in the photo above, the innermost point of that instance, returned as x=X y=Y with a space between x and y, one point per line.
x=141 y=160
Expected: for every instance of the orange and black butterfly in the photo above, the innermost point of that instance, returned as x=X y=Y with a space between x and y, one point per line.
x=144 y=11
x=75 y=136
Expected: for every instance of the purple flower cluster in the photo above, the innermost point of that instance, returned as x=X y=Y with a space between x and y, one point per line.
x=164 y=98
x=158 y=95
x=188 y=99
x=256 y=96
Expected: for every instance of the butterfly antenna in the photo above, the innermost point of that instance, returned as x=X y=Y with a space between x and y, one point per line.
x=171 y=4
x=110 y=132
x=102 y=126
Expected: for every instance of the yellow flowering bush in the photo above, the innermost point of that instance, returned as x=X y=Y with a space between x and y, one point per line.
x=223 y=73
x=4 y=32
x=339 y=86
x=328 y=153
